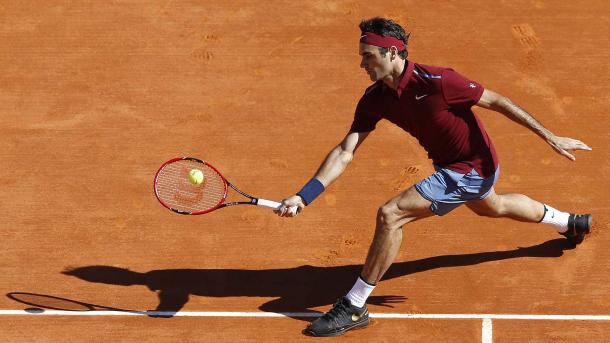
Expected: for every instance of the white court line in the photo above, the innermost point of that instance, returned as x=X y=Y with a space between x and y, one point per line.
x=308 y=314
x=486 y=331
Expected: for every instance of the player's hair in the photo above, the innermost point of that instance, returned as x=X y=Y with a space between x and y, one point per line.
x=387 y=28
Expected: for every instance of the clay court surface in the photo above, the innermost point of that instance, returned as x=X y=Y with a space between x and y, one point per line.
x=95 y=95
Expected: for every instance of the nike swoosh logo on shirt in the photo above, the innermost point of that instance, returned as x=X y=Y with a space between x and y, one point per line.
x=419 y=97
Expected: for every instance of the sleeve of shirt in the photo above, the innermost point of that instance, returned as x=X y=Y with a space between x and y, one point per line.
x=365 y=119
x=459 y=91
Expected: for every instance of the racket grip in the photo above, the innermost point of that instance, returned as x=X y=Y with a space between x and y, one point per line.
x=275 y=205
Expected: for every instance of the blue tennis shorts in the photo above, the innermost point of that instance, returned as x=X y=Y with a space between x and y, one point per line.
x=448 y=189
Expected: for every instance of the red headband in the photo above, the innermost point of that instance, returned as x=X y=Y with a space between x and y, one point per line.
x=382 y=41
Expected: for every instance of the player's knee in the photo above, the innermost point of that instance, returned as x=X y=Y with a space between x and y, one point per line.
x=387 y=217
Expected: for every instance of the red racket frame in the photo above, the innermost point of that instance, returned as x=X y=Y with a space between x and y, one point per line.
x=217 y=206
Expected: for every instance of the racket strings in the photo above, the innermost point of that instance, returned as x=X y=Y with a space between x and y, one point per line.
x=176 y=191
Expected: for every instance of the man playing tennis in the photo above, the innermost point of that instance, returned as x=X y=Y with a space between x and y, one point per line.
x=434 y=105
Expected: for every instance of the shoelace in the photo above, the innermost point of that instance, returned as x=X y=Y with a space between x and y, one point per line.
x=339 y=310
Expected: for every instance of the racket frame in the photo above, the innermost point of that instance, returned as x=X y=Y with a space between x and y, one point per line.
x=221 y=203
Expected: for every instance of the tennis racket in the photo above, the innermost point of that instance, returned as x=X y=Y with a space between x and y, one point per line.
x=175 y=191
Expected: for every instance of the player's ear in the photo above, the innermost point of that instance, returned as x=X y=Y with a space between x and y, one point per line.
x=393 y=53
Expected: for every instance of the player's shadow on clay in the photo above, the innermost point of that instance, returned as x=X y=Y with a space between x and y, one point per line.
x=296 y=289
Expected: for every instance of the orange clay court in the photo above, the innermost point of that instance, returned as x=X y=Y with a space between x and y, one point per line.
x=94 y=96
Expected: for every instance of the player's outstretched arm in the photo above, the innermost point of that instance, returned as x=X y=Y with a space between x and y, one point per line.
x=331 y=168
x=563 y=145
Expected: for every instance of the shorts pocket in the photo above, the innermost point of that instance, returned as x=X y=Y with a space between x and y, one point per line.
x=472 y=182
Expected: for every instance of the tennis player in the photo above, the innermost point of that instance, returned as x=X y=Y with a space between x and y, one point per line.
x=433 y=104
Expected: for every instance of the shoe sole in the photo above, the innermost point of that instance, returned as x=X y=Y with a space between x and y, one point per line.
x=357 y=326
x=589 y=224
x=579 y=238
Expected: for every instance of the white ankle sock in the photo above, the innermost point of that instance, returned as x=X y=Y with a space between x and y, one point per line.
x=556 y=218
x=359 y=293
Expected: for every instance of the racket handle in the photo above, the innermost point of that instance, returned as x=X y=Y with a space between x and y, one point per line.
x=275 y=205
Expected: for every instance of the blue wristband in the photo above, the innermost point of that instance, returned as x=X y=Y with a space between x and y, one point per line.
x=311 y=191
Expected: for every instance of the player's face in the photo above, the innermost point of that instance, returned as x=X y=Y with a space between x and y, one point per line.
x=375 y=65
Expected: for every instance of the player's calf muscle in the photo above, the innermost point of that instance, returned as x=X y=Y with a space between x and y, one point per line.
x=523 y=208
x=515 y=206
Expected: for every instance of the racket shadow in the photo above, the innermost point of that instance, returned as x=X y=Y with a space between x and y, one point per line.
x=299 y=289
x=42 y=302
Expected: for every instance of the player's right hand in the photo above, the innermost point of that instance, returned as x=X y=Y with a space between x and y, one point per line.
x=290 y=202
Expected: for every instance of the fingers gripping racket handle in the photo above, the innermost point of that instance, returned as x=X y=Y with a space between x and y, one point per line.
x=275 y=205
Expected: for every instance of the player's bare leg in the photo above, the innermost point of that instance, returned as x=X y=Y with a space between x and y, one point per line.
x=407 y=207
x=523 y=208
x=350 y=312
x=516 y=206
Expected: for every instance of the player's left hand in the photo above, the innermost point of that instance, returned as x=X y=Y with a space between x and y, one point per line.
x=565 y=145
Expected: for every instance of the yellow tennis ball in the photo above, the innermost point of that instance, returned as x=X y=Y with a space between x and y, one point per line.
x=196 y=176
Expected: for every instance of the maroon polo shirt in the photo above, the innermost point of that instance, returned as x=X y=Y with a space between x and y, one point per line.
x=433 y=104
